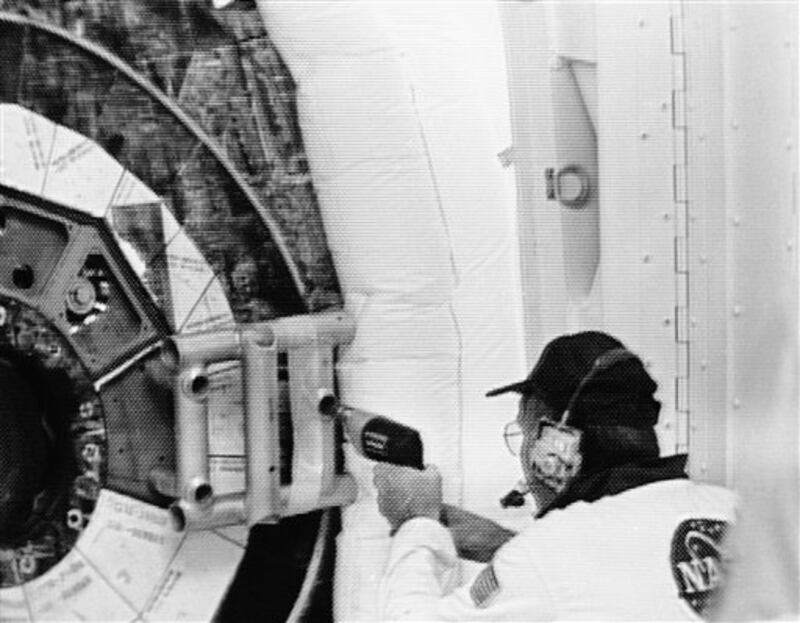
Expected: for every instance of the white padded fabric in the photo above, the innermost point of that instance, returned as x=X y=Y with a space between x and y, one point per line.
x=402 y=118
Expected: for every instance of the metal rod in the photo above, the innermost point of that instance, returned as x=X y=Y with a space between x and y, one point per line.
x=260 y=380
x=226 y=510
x=191 y=433
x=203 y=348
x=231 y=509
x=164 y=481
x=328 y=328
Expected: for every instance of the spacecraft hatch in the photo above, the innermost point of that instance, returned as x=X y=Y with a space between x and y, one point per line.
x=123 y=226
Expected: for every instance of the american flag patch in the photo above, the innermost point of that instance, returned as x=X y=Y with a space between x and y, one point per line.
x=484 y=587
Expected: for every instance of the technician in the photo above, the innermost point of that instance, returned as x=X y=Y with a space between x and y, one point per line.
x=620 y=533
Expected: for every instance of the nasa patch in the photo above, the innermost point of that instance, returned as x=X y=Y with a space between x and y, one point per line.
x=697 y=560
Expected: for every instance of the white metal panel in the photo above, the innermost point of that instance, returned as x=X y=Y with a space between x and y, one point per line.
x=571 y=34
x=760 y=134
x=756 y=141
x=634 y=294
x=742 y=118
x=572 y=29
x=708 y=232
x=548 y=310
x=638 y=212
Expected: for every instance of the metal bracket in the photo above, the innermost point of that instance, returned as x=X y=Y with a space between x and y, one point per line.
x=257 y=346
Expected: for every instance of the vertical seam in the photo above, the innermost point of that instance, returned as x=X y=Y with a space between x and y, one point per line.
x=456 y=278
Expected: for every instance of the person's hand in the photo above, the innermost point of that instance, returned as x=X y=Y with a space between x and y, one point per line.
x=477 y=538
x=405 y=493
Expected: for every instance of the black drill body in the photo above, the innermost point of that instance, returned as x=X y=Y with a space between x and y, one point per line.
x=375 y=436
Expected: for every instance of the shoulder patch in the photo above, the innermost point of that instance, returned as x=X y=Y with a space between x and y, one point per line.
x=697 y=560
x=485 y=587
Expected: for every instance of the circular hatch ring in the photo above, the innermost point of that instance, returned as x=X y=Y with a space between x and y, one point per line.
x=78 y=564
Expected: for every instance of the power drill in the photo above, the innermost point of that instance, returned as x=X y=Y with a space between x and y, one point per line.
x=374 y=436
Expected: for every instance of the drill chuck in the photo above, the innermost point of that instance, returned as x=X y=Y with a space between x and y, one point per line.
x=375 y=436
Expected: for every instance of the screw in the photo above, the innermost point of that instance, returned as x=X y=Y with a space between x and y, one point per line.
x=27 y=564
x=75 y=519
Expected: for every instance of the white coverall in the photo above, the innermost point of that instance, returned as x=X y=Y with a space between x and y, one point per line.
x=648 y=553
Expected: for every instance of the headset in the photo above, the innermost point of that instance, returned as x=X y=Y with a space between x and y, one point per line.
x=555 y=454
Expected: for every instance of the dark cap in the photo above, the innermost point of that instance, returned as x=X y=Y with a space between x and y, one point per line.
x=562 y=366
x=620 y=394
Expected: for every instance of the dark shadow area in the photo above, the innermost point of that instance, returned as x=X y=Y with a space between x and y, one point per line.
x=272 y=571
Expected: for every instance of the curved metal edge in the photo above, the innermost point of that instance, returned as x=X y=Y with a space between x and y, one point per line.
x=302 y=602
x=191 y=125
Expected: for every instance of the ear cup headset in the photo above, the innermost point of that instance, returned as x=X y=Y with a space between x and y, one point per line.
x=555 y=455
